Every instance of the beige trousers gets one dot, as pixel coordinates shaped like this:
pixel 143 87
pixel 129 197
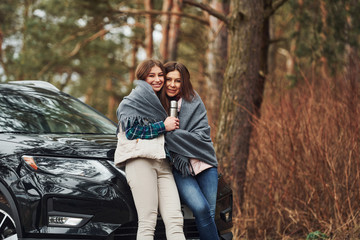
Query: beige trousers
pixel 153 187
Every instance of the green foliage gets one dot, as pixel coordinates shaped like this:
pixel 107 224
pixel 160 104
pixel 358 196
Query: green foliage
pixel 316 236
pixel 60 41
pixel 193 44
pixel 56 41
pixel 325 29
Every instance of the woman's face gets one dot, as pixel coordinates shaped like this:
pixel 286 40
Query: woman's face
pixel 155 78
pixel 173 83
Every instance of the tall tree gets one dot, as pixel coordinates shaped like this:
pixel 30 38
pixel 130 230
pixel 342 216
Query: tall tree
pixel 174 30
pixel 243 84
pixel 9 23
pixel 165 22
pixel 133 64
pixel 241 87
pixel 216 59
pixel 148 29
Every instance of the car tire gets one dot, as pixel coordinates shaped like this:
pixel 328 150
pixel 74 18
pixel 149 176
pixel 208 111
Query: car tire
pixel 7 224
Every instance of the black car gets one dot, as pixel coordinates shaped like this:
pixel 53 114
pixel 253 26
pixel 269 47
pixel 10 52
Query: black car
pixel 57 177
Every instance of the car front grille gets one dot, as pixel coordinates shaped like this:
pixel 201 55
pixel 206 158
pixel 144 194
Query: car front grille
pixel 128 231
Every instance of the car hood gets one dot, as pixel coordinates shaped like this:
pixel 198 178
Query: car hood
pixel 71 145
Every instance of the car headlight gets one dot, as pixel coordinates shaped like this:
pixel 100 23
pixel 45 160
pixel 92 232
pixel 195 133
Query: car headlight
pixel 83 168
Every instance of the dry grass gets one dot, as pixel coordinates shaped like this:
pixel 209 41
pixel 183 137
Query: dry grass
pixel 304 166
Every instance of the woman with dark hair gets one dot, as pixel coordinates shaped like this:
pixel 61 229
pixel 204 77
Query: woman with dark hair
pixel 191 150
pixel 142 125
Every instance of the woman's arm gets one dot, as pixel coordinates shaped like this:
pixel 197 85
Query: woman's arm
pixel 152 130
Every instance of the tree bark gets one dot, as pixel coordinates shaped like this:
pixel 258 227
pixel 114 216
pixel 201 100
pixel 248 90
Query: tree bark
pixel 174 30
pixel 2 63
pixel 148 29
pixel 111 99
pixel 241 89
pixel 165 22
pixel 216 60
pixel 264 57
pixel 21 75
pixel 134 50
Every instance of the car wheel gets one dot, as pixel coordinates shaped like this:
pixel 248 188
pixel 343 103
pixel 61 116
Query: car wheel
pixel 7 224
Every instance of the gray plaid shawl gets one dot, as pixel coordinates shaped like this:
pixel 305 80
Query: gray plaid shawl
pixel 192 140
pixel 140 105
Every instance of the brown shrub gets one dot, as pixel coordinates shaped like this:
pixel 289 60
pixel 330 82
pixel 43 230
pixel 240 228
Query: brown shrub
pixel 304 165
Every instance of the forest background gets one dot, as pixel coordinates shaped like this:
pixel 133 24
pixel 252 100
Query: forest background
pixel 279 78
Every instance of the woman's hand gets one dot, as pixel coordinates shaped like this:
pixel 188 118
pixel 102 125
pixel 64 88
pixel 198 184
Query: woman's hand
pixel 171 123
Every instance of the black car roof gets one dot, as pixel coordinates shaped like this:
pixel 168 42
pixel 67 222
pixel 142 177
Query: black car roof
pixel 29 84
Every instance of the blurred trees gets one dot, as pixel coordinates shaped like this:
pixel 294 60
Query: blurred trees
pixel 9 28
pixel 72 43
pixel 76 45
pixel 318 35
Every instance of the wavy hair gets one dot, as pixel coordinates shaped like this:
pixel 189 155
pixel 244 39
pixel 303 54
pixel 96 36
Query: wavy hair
pixel 187 91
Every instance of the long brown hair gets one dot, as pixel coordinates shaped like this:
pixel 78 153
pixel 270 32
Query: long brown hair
pixel 144 68
pixel 186 90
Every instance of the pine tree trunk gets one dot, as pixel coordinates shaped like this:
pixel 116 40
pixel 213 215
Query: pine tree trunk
pixel 264 57
pixel 174 31
pixel 133 61
pixel 216 58
pixel 1 54
pixel 148 29
pixel 111 100
pixel 240 89
pixel 165 22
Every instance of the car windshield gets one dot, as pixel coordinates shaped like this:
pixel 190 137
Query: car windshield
pixel 41 111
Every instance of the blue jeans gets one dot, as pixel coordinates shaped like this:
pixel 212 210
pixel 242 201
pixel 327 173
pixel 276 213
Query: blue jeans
pixel 199 194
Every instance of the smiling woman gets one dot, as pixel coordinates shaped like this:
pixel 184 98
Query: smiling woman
pixel 173 83
pixel 141 116
pixel 191 150
pixel 155 78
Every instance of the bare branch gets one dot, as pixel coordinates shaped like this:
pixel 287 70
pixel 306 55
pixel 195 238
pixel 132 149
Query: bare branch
pixel 208 9
pixel 270 11
pixel 44 69
pixel 157 12
pixel 100 33
pixel 72 37
pixel 75 51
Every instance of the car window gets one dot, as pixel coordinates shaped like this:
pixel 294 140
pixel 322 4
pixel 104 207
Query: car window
pixel 33 111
